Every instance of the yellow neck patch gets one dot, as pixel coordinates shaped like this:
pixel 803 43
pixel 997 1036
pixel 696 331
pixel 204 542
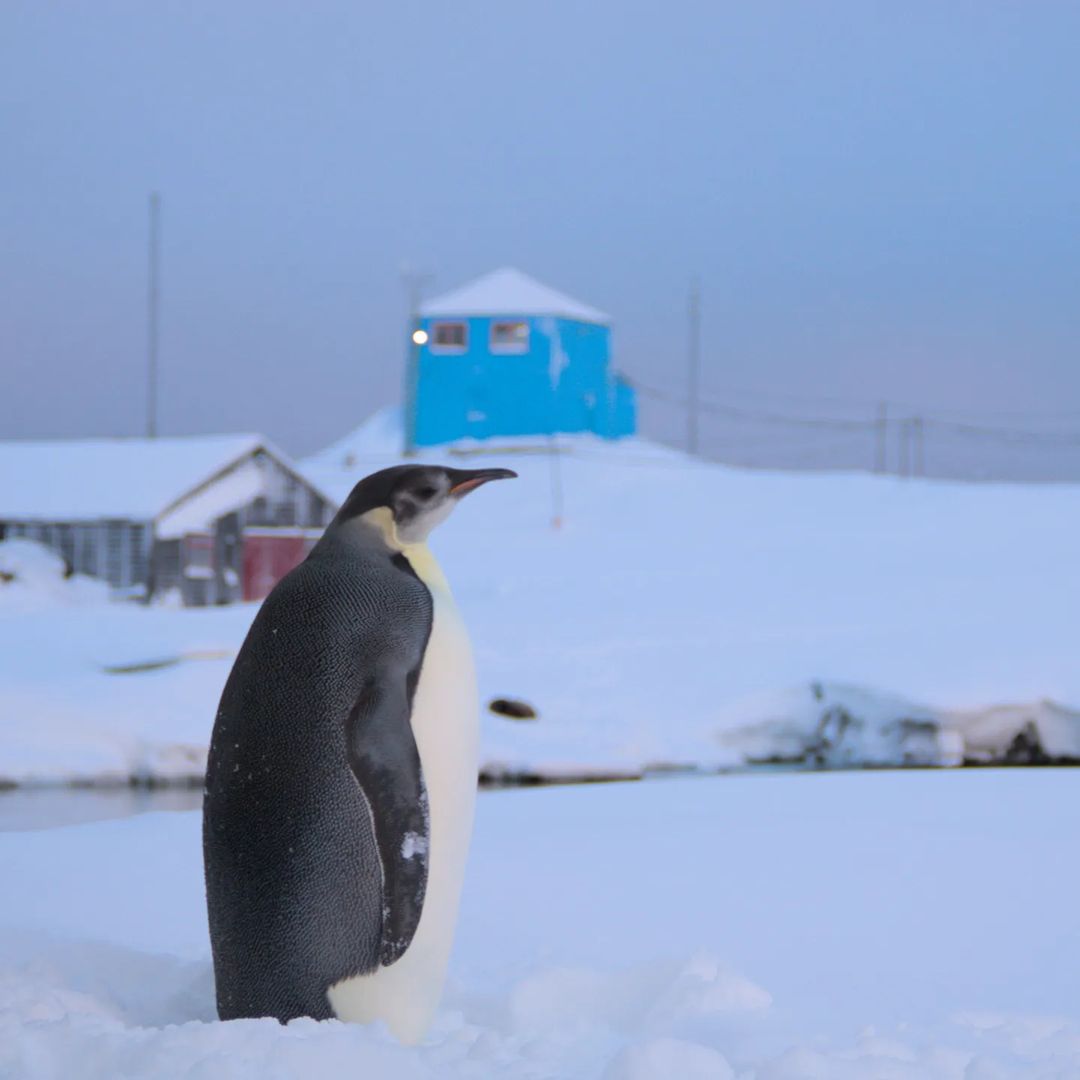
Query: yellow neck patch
pixel 427 569
pixel 419 555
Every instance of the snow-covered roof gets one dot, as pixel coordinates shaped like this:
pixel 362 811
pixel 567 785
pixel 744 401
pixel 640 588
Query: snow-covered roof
pixel 136 479
pixel 240 483
pixel 510 292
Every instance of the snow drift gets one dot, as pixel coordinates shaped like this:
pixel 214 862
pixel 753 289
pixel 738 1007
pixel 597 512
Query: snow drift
pixel 34 577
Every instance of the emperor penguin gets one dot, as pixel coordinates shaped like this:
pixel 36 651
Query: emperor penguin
pixel 342 772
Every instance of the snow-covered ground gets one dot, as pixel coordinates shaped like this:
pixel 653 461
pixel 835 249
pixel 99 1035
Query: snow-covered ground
pixel 32 578
pixel 878 926
pixel 683 614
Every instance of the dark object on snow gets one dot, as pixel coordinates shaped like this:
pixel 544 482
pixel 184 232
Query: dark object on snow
pixel 1026 747
pixel 512 709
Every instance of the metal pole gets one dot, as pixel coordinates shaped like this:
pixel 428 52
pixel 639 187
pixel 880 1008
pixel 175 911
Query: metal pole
pixel 413 280
pixel 881 452
pixel 152 317
pixel 693 365
pixel 555 463
pixel 412 371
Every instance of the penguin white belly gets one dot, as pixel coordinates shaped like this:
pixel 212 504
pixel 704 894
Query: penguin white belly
pixel 445 723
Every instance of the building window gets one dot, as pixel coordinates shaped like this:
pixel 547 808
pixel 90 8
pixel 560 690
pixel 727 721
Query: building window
pixel 138 554
pixel 65 540
pixel 509 337
pixel 198 556
pixel 259 514
pixel 116 563
pixel 86 549
pixel 450 336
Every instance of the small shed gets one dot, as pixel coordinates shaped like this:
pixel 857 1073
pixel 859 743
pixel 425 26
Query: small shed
pixel 505 356
pixel 214 518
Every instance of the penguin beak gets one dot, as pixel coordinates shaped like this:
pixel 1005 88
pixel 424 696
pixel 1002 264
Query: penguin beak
pixel 462 481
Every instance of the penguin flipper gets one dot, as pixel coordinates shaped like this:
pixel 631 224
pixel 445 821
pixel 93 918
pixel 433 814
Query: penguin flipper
pixel 384 758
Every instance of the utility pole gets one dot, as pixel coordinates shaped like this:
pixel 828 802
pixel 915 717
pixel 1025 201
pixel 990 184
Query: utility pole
pixel 919 448
pixel 413 280
pixel 693 366
pixel 152 317
pixel 904 468
pixel 555 464
pixel 881 450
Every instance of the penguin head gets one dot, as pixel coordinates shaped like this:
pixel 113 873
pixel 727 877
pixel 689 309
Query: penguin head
pixel 407 501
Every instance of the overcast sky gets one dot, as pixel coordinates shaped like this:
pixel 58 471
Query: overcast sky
pixel 881 200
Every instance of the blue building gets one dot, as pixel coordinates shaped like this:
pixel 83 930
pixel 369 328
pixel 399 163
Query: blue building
pixel 505 355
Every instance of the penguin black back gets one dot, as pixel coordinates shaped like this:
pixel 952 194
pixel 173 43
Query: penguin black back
pixel 294 895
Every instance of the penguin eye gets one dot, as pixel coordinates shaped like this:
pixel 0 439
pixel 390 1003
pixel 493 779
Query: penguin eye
pixel 427 492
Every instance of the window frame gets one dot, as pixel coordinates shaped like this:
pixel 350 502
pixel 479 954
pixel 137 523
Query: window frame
pixel 516 349
pixel 435 347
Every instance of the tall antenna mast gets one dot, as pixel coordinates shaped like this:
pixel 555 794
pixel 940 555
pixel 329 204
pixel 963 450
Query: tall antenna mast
pixel 693 366
pixel 881 449
pixel 152 316
pixel 414 281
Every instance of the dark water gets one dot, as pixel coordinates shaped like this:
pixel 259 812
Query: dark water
pixel 28 809
pixel 24 809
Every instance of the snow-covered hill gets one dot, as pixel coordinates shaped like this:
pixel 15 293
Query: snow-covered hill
pixel 681 613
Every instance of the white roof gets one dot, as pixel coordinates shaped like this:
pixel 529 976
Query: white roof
pixel 241 484
pixel 90 479
pixel 510 292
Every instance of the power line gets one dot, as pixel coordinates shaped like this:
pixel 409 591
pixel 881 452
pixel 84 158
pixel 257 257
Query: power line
pixel 1009 434
pixel 877 424
pixel 833 423
pixel 910 407
pixel 710 405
